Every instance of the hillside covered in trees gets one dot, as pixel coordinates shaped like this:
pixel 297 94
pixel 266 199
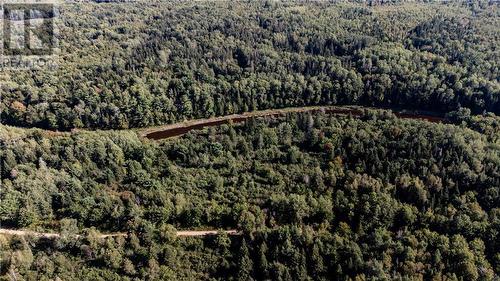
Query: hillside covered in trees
pixel 316 197
pixel 311 195
pixel 127 65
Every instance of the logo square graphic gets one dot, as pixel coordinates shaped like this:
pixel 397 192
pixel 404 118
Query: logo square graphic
pixel 29 34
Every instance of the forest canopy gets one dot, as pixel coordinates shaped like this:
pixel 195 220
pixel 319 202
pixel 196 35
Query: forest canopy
pixel 315 196
pixel 140 64
pixel 351 193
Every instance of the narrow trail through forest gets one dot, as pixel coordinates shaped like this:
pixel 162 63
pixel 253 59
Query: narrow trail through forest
pixel 181 233
pixel 181 128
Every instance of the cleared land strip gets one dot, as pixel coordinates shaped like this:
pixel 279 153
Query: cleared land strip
pixel 180 128
pixel 183 233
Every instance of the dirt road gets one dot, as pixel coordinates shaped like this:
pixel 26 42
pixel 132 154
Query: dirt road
pixel 205 232
pixel 184 233
pixel 181 128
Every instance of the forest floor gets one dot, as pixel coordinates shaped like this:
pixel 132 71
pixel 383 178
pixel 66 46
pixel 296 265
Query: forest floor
pixel 183 233
pixel 181 128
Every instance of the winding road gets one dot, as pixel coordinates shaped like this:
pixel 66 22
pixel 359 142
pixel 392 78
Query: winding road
pixel 181 128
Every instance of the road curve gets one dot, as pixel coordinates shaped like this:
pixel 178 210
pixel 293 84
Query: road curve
pixel 183 233
pixel 181 128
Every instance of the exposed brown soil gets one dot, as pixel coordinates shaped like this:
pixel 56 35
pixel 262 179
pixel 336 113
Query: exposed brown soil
pixel 181 128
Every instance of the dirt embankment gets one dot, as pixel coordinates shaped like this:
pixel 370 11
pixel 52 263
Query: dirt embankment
pixel 181 128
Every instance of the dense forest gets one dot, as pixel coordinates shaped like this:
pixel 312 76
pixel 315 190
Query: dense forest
pixel 310 195
pixel 316 197
pixel 127 65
